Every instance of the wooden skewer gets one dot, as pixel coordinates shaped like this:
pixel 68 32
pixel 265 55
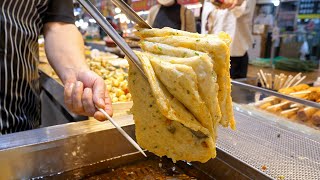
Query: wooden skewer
pixel 302 96
pixel 282 80
pixel 281 77
pixel 296 105
pixel 261 80
pixel 300 92
pixel 289 112
pixel 276 82
pixel 264 78
pixel 259 103
pixel 265 100
pixel 300 80
pixel 265 105
pixel 287 81
pixel 271 97
pixel 299 77
pixel 269 80
pixel 293 79
pixel 277 107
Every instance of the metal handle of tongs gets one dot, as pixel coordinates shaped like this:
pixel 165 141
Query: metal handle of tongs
pixel 107 27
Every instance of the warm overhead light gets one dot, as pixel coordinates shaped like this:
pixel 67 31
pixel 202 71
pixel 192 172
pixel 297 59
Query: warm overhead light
pixel 92 20
pixel 194 6
pixel 276 2
pixel 117 10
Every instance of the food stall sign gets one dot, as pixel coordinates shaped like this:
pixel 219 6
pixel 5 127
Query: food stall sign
pixel 142 5
pixel 309 9
pixel 187 1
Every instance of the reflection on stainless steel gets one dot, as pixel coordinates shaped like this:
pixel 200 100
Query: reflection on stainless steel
pixel 51 150
pixel 273 93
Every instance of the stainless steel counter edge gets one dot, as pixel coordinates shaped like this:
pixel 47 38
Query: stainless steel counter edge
pixel 47 134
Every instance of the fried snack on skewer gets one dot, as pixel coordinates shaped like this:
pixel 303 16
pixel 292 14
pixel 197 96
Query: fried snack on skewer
pixel 293 89
pixel 279 107
pixel 314 94
pixel 316 118
pixel 306 113
pixel 296 105
pixel 265 106
pixel 289 112
pixel 272 99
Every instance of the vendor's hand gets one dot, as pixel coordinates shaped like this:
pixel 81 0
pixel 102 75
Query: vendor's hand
pixel 85 90
pixel 230 4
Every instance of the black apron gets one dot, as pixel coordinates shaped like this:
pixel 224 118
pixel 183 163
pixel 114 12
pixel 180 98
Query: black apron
pixel 21 25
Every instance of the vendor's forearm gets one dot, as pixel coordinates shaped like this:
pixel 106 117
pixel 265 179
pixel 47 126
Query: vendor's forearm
pixel 65 49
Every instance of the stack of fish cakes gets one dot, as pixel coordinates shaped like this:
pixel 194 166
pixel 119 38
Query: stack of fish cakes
pixel 186 94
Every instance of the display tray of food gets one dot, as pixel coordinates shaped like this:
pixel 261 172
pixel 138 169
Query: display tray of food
pixel 292 111
pixel 110 67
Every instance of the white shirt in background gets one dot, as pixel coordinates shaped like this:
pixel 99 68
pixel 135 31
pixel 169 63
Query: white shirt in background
pixel 237 23
pixel 206 10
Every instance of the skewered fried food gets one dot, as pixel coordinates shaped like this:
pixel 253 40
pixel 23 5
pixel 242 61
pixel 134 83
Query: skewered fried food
pixel 293 89
pixel 316 118
pixel 305 113
pixel 289 113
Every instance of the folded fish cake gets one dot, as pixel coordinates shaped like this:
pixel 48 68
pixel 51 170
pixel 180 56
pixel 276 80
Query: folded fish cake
pixel 206 87
pixel 181 81
pixel 164 133
pixel 186 95
pixel 220 55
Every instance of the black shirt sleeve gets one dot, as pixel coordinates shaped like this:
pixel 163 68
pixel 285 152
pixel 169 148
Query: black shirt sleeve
pixel 59 11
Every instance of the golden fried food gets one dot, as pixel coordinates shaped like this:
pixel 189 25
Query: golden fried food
pixel 202 66
pixel 305 114
pixel 293 89
pixel 163 125
pixel 186 94
pixel 216 46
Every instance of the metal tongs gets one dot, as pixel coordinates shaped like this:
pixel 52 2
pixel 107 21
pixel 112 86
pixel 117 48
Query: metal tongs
pixel 107 27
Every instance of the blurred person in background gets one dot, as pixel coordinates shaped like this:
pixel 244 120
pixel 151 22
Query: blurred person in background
pixel 235 18
pixel 114 25
pixel 168 13
pixel 265 17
